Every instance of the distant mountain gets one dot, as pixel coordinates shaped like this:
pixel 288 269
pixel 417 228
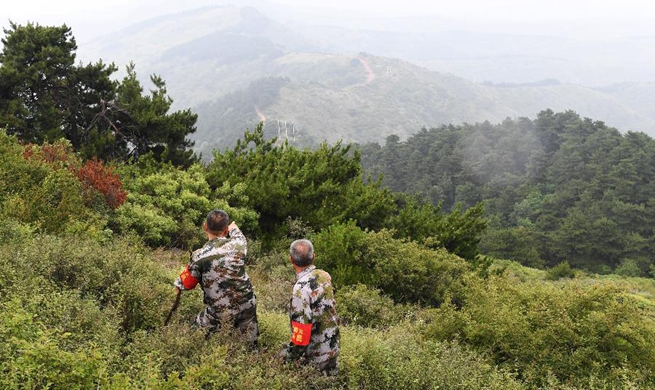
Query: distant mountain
pixel 367 98
pixel 496 57
pixel 235 67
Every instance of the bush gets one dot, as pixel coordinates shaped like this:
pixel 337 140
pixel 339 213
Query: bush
pixel 167 207
pixel 365 306
pixel 561 270
pixel 40 187
pixel 31 357
pixel 119 276
pixel 406 271
pixel 98 179
pixel 12 231
pixel 567 332
pixel 629 268
pixel 398 359
pixel 340 250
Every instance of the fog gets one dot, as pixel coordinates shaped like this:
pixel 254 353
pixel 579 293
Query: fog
pixel 577 19
pixel 593 57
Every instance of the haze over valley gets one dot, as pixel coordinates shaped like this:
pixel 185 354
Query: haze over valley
pixel 313 79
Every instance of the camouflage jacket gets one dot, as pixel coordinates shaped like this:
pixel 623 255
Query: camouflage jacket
pixel 314 328
pixel 220 270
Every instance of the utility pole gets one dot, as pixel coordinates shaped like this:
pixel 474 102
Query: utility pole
pixel 293 128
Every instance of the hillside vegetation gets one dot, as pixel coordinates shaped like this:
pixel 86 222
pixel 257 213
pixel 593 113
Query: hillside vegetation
pixel 559 188
pixel 85 290
pixel 327 97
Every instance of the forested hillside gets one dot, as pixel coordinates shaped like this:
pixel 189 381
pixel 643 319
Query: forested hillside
pixel 558 188
pixel 236 67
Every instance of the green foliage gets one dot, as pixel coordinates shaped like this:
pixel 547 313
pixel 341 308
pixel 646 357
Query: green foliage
pixel 396 358
pixel 146 125
pixel 123 279
pixel 340 249
pixel 557 188
pixel 167 207
pixel 319 187
pixel 561 270
pixel 458 231
pixel 517 243
pixel 628 267
pixel 31 356
pixel 83 308
pixel 364 306
pixel 76 314
pixel 45 96
pixel 12 231
pixel 41 187
pixel 405 270
pixel 570 333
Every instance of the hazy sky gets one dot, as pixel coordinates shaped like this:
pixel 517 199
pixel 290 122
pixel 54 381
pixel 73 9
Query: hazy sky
pixel 557 17
pixel 480 9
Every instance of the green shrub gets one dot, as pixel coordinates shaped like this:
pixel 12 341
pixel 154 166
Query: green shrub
pixel 340 251
pixel 406 271
pixel 396 358
pixel 365 306
pixel 39 186
pixel 65 370
pixel 119 276
pixel 570 332
pixel 273 280
pixel 629 268
pixel 561 270
pixel 12 231
pixel 167 207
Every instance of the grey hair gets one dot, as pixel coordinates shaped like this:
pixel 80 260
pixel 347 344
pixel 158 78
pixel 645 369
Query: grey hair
pixel 302 252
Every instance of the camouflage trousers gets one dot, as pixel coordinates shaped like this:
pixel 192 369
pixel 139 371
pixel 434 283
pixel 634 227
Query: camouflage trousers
pixel 244 321
pixel 328 365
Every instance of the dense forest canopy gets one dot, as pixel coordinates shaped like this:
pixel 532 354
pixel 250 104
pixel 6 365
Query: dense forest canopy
pixel 556 188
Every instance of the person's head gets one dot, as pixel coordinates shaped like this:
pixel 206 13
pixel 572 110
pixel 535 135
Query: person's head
pixel 217 222
pixel 302 253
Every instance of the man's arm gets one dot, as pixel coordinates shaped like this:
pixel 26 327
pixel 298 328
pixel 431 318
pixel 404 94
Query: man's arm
pixel 301 324
pixel 237 243
pixel 235 232
pixel 189 277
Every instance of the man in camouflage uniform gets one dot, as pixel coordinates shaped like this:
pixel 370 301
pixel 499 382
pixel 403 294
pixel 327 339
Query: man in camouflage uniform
pixel 220 270
pixel 314 328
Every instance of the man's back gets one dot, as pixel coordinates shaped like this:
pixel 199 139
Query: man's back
pixel 312 302
pixel 220 270
pixel 220 264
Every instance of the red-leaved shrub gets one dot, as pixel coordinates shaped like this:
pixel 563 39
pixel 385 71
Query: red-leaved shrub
pixel 94 175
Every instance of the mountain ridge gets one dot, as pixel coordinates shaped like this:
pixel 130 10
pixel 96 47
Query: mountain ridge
pixel 231 52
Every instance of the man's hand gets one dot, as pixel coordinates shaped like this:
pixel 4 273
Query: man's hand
pixel 232 225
